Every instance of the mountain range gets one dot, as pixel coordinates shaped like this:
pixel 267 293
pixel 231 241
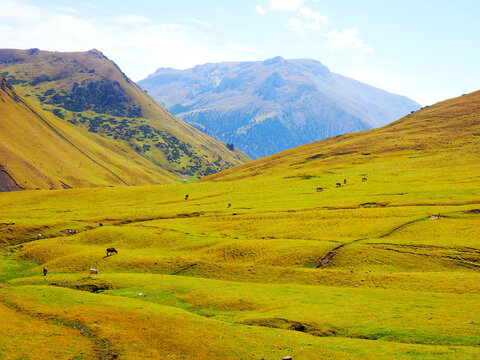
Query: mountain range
pixel 89 91
pixel 263 107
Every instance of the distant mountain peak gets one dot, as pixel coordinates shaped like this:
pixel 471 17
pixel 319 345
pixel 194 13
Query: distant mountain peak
pixel 274 60
pixel 96 52
pixel 297 100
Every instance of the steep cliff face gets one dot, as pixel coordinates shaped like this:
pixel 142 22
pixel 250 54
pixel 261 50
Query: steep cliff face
pixel 266 107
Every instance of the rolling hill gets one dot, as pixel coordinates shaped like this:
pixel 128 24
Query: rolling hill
pixel 40 151
pixel 91 92
pixel 258 263
pixel 263 107
pixel 447 133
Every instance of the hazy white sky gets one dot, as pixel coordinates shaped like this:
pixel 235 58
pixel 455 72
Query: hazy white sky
pixel 426 50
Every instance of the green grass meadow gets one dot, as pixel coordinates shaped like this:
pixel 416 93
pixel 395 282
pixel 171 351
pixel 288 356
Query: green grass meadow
pixel 386 268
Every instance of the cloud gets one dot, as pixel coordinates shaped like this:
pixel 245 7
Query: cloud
pixel 280 5
pixel 285 5
pixel 309 20
pixel 67 9
pixel 131 19
pixel 139 50
pixel 305 20
pixel 296 25
pixel 310 15
pixel 199 22
pixel 347 39
pixel 260 10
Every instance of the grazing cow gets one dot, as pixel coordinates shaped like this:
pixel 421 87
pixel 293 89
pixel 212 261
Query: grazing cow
pixel 344 181
pixel 319 189
pixel 100 224
pixel 45 270
pixel 111 250
pixel 93 272
pixel 229 205
pixel 186 197
pixel 339 185
pixel 364 179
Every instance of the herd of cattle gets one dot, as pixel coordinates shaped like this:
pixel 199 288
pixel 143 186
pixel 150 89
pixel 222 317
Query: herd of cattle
pixel 114 251
pixel 319 189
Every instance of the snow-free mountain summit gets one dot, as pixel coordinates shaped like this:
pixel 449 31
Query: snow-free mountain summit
pixel 263 107
pixel 90 91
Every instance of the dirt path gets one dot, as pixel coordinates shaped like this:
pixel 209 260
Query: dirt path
pixel 400 227
pixel 103 348
pixel 181 271
pixel 331 254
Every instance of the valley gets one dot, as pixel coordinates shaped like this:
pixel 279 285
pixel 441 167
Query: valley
pixel 257 263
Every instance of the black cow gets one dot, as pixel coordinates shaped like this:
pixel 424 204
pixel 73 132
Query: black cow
pixel 319 189
pixel 111 250
pixel 186 197
pixel 339 185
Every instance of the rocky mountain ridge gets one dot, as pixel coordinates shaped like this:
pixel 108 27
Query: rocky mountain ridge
pixel 263 107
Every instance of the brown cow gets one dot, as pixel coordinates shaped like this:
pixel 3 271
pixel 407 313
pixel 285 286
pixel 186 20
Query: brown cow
pixel 319 189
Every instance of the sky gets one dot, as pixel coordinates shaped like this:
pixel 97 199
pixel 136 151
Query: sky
pixel 424 49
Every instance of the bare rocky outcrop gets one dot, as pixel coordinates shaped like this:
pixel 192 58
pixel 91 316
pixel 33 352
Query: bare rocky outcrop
pixel 7 183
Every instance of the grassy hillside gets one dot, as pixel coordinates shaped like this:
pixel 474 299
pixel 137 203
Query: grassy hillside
pixel 257 263
pixel 448 131
pixel 39 151
pixel 90 91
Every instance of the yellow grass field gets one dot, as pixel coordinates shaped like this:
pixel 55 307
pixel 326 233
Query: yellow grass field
pixel 386 268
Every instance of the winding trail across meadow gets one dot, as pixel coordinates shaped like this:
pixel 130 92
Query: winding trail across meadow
pixel 324 261
pixel 102 347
